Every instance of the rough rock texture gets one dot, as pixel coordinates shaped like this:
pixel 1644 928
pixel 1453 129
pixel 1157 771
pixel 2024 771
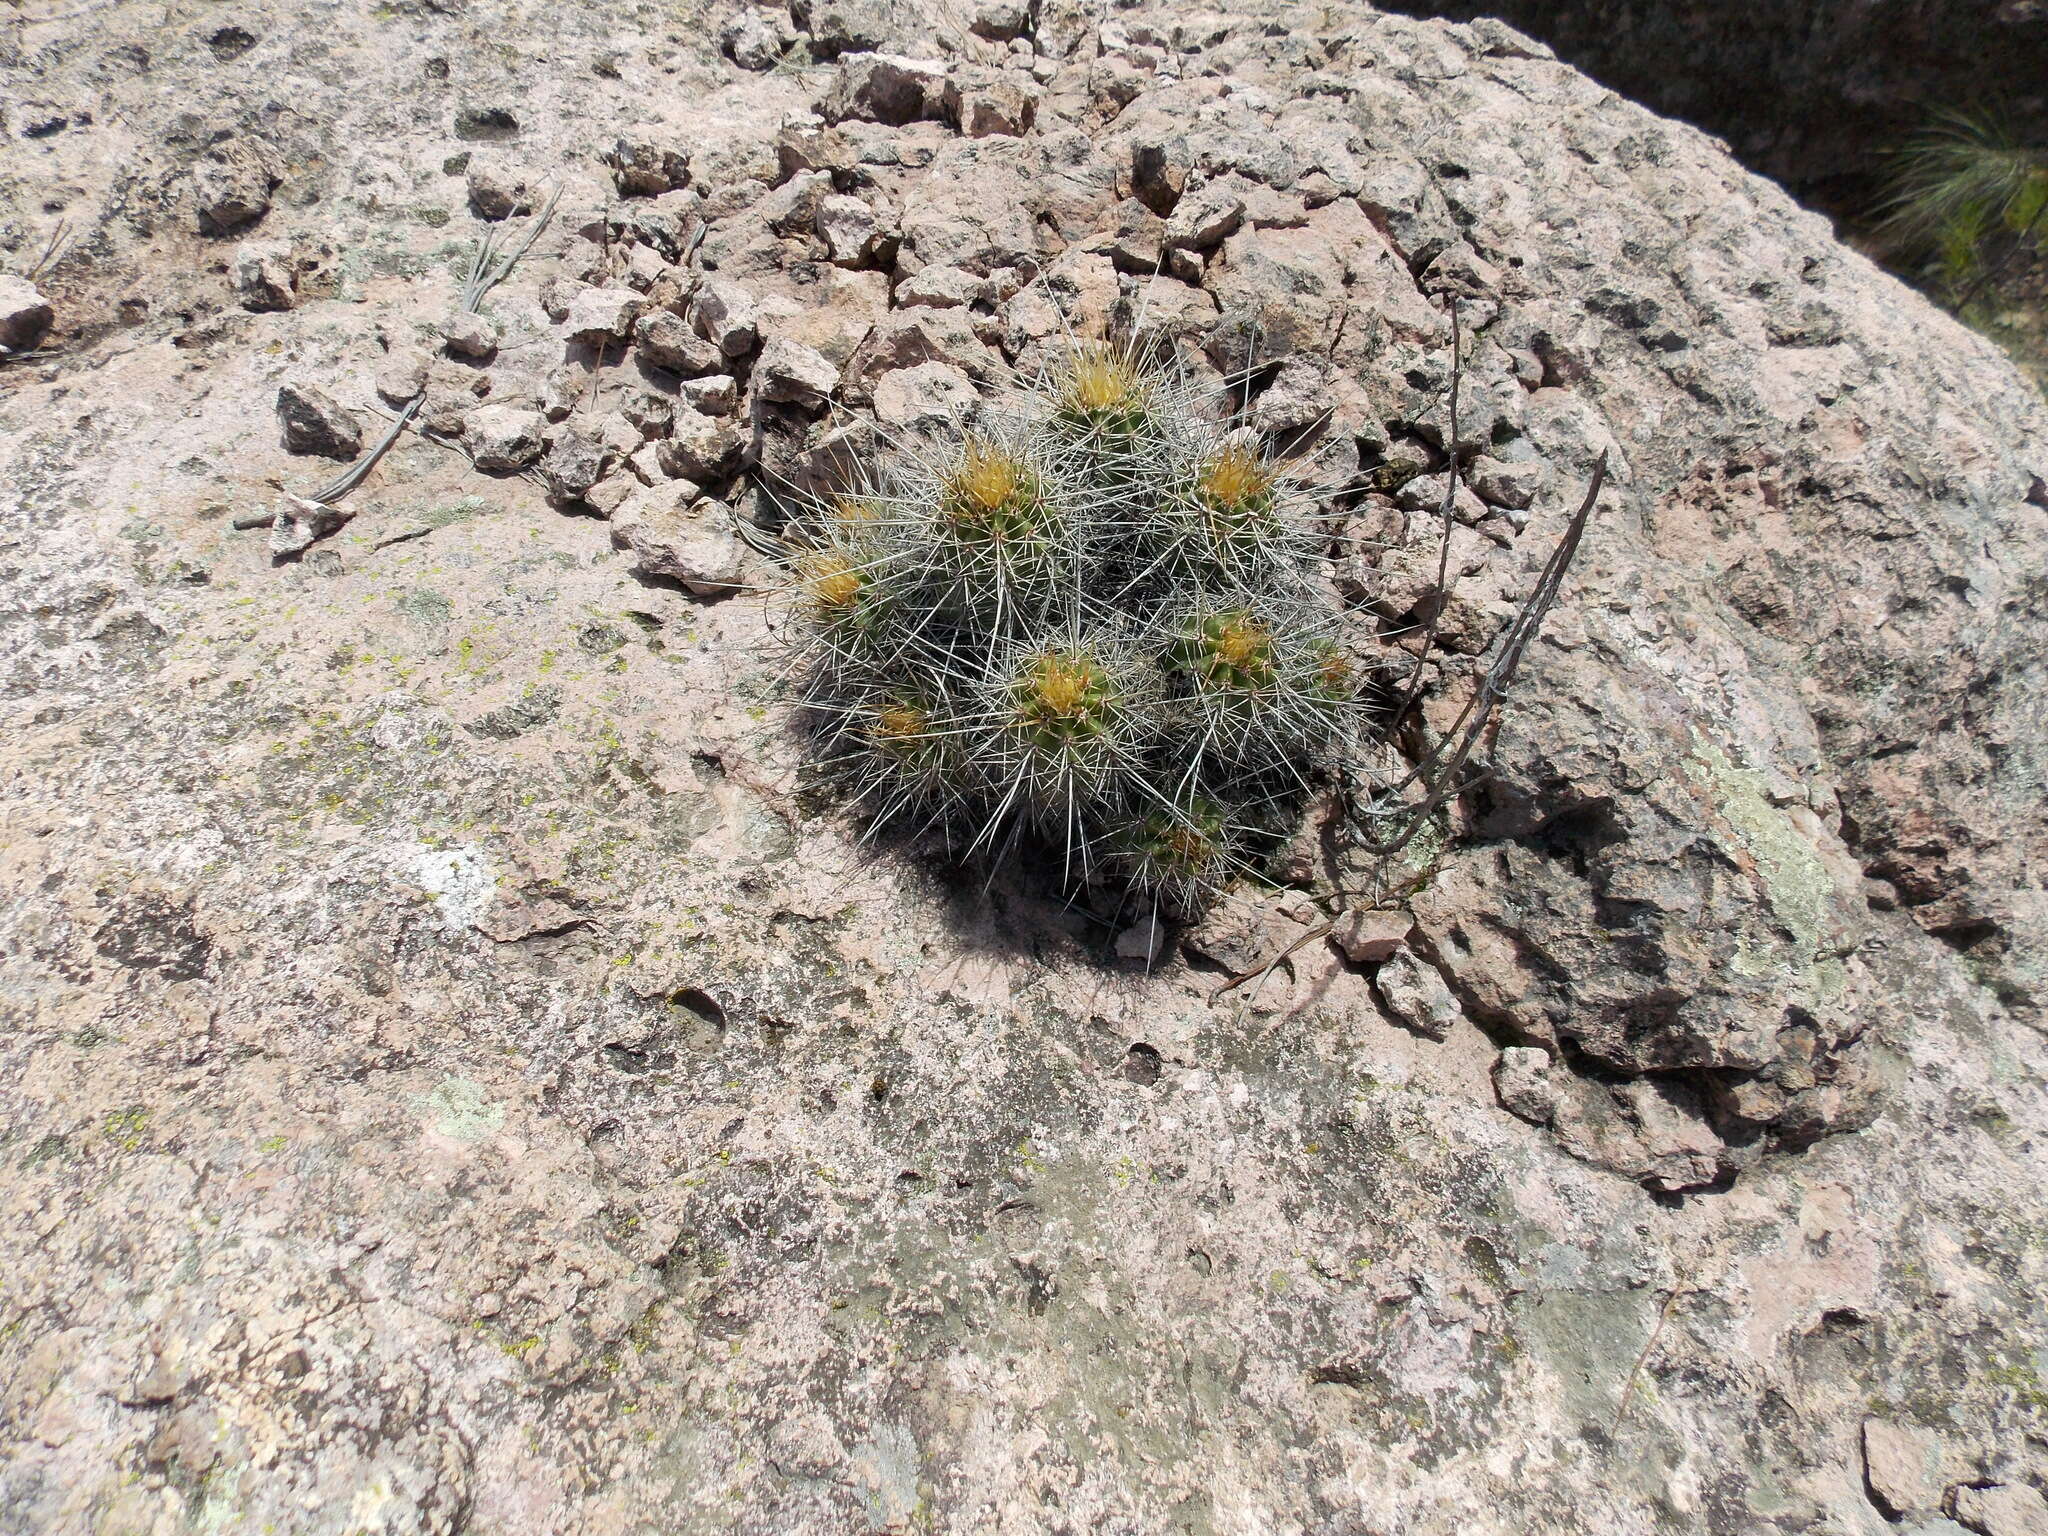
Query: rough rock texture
pixel 25 315
pixel 679 538
pixel 504 438
pixel 231 184
pixel 2003 1510
pixel 265 278
pixel 456 1078
pixel 311 421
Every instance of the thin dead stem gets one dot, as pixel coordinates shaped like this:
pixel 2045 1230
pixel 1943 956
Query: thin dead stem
pixel 1439 770
pixel 1628 1388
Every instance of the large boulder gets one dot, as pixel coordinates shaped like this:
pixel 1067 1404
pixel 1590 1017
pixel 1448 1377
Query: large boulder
pixel 464 1072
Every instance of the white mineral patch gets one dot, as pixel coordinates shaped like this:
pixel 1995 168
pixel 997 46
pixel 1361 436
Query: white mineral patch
pixel 457 878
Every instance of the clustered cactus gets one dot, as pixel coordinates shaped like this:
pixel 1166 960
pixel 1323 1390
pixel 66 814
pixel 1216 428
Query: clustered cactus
pixel 1090 624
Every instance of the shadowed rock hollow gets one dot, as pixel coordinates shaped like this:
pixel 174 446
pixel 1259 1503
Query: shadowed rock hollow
pixel 454 1079
pixel 1812 94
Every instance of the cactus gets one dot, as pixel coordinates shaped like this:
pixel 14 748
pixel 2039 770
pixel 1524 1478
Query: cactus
pixel 1092 626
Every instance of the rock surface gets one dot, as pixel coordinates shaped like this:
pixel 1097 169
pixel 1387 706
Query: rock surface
pixel 458 1077
pixel 674 536
pixel 2003 1509
pixel 265 275
pixel 504 438
pixel 232 183
pixel 25 315
pixel 310 420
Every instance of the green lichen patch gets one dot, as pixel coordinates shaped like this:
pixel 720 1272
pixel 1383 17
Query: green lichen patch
pixel 459 1109
pixel 1796 883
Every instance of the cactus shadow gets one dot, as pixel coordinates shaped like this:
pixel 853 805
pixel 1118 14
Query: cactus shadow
pixel 1013 906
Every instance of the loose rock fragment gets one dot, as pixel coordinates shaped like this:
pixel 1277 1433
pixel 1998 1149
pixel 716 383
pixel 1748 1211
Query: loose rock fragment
pixel 1298 397
pixel 1416 995
pixel 792 208
pixel 609 494
pixel 231 184
pixel 725 313
pixel 497 190
pixel 999 20
pixel 1368 938
pixel 701 448
pixel 646 465
pixel 1048 310
pixel 666 341
pixel 927 395
pixel 1243 934
pixel 839 27
pixel 1502 484
pixel 715 394
pixel 849 229
pixel 1425 494
pixel 886 88
pixel 266 277
pixel 686 542
pixel 1404 458
pixel 563 390
pixel 617 431
pixel 788 372
pixel 403 375
pixel 1135 239
pixel 470 335
pixel 313 422
pixel 807 144
pixel 601 315
pixel 1521 1081
pixel 757 38
pixel 647 168
pixel 1204 218
pixel 650 414
pixel 25 315
pixel 938 288
pixel 504 438
pixel 986 102
pixel 557 293
pixel 576 459
pixel 920 336
pixel 645 267
pixel 300 523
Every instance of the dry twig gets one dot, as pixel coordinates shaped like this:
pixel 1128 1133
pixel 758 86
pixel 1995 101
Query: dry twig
pixel 1439 770
pixel 1628 1387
